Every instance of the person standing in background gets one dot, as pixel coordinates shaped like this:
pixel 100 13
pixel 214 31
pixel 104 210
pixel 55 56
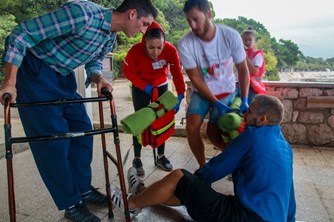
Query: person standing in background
pixel 146 66
pixel 256 64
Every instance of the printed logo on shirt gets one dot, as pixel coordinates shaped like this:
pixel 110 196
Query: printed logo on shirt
pixel 216 70
pixel 158 64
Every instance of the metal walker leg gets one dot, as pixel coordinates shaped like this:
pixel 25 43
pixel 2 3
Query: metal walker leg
pixel 9 140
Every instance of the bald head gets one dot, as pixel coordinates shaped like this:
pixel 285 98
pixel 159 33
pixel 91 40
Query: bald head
pixel 265 110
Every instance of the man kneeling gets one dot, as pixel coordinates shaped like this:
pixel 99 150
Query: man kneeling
pixel 260 161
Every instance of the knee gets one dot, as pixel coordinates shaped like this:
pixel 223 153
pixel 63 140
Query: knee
pixel 192 128
pixel 177 174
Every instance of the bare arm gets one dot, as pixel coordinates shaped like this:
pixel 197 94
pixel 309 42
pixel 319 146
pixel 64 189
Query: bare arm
pixel 196 78
pixel 243 78
pixel 9 83
pixel 252 68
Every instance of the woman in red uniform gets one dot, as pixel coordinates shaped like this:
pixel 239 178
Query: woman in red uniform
pixel 147 65
pixel 256 64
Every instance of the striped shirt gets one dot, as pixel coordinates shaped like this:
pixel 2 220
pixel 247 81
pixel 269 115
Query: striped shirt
pixel 77 33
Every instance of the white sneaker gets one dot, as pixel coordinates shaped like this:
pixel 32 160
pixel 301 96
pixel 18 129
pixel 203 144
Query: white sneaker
pixel 133 181
pixel 117 199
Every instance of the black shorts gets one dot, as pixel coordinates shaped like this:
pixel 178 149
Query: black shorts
pixel 205 204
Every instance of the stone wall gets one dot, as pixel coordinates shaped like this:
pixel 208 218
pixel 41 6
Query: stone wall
pixel 309 111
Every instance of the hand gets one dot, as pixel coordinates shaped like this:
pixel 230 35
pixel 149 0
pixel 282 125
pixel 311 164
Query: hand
pixel 177 107
pixel 10 89
pixel 222 108
pixel 102 83
pixel 244 105
pixel 148 89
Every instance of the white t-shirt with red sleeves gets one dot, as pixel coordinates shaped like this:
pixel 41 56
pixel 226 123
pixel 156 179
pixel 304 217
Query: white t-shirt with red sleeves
pixel 215 58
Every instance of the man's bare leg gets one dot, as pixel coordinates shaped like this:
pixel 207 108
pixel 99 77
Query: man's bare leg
pixel 193 127
pixel 214 135
pixel 160 192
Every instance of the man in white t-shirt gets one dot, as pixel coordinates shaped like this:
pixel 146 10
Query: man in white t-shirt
pixel 208 53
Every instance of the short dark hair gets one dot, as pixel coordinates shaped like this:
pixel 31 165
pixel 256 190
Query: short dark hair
pixel 202 5
pixel 154 33
pixel 271 106
pixel 249 31
pixel 144 7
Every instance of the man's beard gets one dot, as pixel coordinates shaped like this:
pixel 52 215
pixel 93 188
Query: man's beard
pixel 252 122
pixel 204 31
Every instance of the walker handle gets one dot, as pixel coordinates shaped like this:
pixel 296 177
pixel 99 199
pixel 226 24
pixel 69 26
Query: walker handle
pixel 6 97
pixel 105 92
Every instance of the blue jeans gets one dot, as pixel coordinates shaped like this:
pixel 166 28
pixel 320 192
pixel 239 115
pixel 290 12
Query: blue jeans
pixel 64 165
pixel 201 106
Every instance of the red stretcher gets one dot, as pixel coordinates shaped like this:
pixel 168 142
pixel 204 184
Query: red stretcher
pixel 9 141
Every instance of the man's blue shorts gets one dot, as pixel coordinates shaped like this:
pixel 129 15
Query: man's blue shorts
pixel 201 106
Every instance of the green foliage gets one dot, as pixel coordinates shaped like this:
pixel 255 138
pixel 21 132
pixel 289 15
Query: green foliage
pixel 272 75
pixel 287 52
pixel 7 23
pixel 278 55
pixel 314 64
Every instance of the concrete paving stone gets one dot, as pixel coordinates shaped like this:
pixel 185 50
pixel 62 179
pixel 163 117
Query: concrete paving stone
pixel 305 189
pixel 325 192
pixel 329 207
pixel 19 218
pixel 224 186
pixel 311 209
pixel 322 176
pixel 162 214
pixel 48 212
pixel 301 173
pixel 327 154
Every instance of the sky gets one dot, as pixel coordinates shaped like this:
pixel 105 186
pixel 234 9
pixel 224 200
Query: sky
pixel 309 24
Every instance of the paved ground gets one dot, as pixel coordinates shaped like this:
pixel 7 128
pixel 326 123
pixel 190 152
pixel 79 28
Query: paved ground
pixel 313 176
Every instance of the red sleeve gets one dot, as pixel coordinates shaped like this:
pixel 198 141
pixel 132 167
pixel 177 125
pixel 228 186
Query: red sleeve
pixel 176 71
pixel 129 67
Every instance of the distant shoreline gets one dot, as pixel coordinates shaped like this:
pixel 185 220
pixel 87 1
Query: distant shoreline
pixel 300 76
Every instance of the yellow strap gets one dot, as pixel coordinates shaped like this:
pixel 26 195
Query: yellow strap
pixel 157 132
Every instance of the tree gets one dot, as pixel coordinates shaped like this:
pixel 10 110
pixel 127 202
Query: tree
pixel 287 52
pixel 7 23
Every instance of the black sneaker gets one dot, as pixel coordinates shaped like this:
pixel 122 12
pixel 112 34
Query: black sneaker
pixel 80 213
pixel 95 197
pixel 136 163
pixel 164 163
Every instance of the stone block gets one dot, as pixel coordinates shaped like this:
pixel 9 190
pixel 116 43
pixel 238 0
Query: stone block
pixel 290 93
pixel 294 133
pixel 277 94
pixel 329 92
pixel 311 117
pixel 300 103
pixel 288 109
pixel 295 116
pixel 305 92
pixel 320 102
pixel 331 121
pixel 320 135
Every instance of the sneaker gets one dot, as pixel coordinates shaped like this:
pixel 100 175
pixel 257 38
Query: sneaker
pixel 164 163
pixel 117 199
pixel 80 213
pixel 95 197
pixel 133 181
pixel 136 163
